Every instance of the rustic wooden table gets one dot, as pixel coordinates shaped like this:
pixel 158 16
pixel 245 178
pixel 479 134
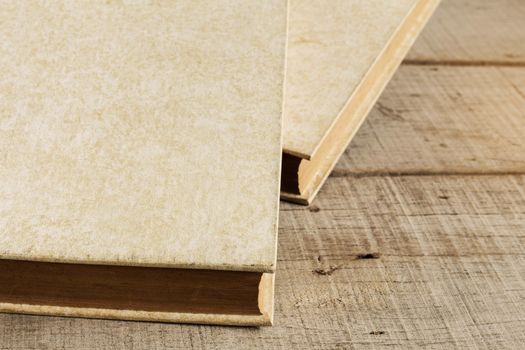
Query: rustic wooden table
pixel 417 240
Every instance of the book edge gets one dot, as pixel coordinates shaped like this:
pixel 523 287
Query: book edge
pixel 132 315
pixel 312 153
pixel 308 196
pixel 262 268
pixel 265 302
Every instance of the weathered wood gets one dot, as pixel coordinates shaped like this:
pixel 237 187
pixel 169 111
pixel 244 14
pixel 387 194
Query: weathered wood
pixel 410 216
pixel 447 120
pixel 379 262
pixel 474 32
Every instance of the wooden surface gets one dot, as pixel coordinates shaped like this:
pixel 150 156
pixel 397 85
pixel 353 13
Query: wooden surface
pixel 418 238
pixel 488 32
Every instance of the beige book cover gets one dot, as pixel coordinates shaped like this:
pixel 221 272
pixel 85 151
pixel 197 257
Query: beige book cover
pixel 341 55
pixel 140 146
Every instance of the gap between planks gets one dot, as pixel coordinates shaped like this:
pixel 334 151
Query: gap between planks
pixel 462 63
pixel 354 174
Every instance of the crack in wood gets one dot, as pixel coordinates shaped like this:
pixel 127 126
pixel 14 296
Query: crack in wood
pixel 368 256
pixel 327 271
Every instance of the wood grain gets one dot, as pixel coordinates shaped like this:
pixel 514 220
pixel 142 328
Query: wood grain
pixel 446 120
pixel 474 32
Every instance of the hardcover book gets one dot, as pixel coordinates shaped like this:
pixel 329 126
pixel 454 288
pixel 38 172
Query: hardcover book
pixel 140 146
pixel 341 54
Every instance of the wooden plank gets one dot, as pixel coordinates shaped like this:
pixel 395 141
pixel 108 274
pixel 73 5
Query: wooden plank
pixel 411 216
pixel 438 119
pixel 474 32
pixel 379 262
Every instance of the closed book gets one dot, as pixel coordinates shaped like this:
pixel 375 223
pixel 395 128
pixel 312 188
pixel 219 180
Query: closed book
pixel 140 146
pixel 341 54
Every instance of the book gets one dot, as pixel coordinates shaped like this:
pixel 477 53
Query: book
pixel 341 54
pixel 140 144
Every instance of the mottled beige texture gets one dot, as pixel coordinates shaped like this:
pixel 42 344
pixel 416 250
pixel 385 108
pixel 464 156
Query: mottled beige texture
pixel 332 45
pixel 141 132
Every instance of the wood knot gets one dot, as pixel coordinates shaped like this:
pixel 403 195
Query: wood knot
pixel 377 333
pixel 327 271
pixel 314 209
pixel 368 256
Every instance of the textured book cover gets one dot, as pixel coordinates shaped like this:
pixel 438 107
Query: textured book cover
pixel 341 54
pixel 140 134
